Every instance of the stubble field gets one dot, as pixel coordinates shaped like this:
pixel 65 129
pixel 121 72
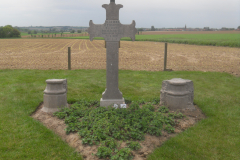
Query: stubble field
pixel 48 54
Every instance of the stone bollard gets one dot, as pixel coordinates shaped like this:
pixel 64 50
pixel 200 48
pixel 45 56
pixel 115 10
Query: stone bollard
pixel 177 94
pixel 55 95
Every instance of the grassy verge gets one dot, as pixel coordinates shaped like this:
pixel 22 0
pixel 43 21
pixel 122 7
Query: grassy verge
pixel 230 40
pixel 217 94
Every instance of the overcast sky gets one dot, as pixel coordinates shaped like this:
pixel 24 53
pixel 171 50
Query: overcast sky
pixel 159 13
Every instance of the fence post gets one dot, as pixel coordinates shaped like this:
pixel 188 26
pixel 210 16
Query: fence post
pixel 69 58
pixel 165 58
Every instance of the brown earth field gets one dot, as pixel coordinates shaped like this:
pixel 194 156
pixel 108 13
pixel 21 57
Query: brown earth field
pixel 45 54
pixel 147 146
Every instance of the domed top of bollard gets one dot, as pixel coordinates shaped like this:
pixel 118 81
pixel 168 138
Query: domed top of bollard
pixel 178 81
pixel 55 80
pixel 56 86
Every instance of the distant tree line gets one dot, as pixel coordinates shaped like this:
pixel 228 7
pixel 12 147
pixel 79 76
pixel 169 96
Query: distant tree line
pixel 152 28
pixel 73 31
pixel 8 32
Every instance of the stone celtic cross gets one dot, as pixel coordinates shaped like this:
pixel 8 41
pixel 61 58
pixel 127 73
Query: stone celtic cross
pixel 112 31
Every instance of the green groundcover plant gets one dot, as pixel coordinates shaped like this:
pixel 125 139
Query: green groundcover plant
pixel 103 126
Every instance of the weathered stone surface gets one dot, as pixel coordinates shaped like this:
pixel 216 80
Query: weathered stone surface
pixel 177 94
pixel 112 10
pixel 112 31
pixel 110 102
pixel 112 91
pixel 55 95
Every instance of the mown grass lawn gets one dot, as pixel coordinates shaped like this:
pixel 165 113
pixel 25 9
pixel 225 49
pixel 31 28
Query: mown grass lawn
pixel 217 94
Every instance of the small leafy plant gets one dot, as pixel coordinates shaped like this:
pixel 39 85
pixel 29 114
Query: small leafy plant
pixel 110 142
pixel 141 101
pixel 169 129
pixel 156 101
pixel 149 106
pixel 123 154
pixel 176 115
pixel 104 152
pixel 128 100
pixel 134 145
pixel 163 109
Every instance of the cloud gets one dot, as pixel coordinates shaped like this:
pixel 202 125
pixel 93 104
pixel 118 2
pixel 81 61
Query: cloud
pixel 164 13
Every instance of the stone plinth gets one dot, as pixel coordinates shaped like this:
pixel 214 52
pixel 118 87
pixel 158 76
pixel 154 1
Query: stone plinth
pixel 177 94
pixel 55 95
pixel 110 102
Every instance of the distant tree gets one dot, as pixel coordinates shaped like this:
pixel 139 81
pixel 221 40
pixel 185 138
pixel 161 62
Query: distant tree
pixel 152 28
pixel 54 30
pixel 8 31
pixel 73 31
pixel 140 29
pixel 16 27
pixel 63 29
pixel 1 32
pixel 29 32
pixel 238 27
pixel 16 33
pixel 35 32
pixel 25 30
pixel 79 31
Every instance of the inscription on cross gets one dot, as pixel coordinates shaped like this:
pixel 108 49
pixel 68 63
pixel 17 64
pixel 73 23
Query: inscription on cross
pixel 112 31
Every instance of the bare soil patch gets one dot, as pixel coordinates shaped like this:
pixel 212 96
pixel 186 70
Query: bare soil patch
pixel 147 146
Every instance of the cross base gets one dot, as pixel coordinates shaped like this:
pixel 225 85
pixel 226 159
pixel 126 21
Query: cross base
pixel 109 102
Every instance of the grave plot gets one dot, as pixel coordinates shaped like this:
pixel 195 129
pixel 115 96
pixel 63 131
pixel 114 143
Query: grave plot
pixel 142 127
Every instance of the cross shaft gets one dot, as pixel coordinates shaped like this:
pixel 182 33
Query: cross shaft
pixel 112 31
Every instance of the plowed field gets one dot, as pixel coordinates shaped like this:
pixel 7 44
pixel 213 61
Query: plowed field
pixel 52 54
